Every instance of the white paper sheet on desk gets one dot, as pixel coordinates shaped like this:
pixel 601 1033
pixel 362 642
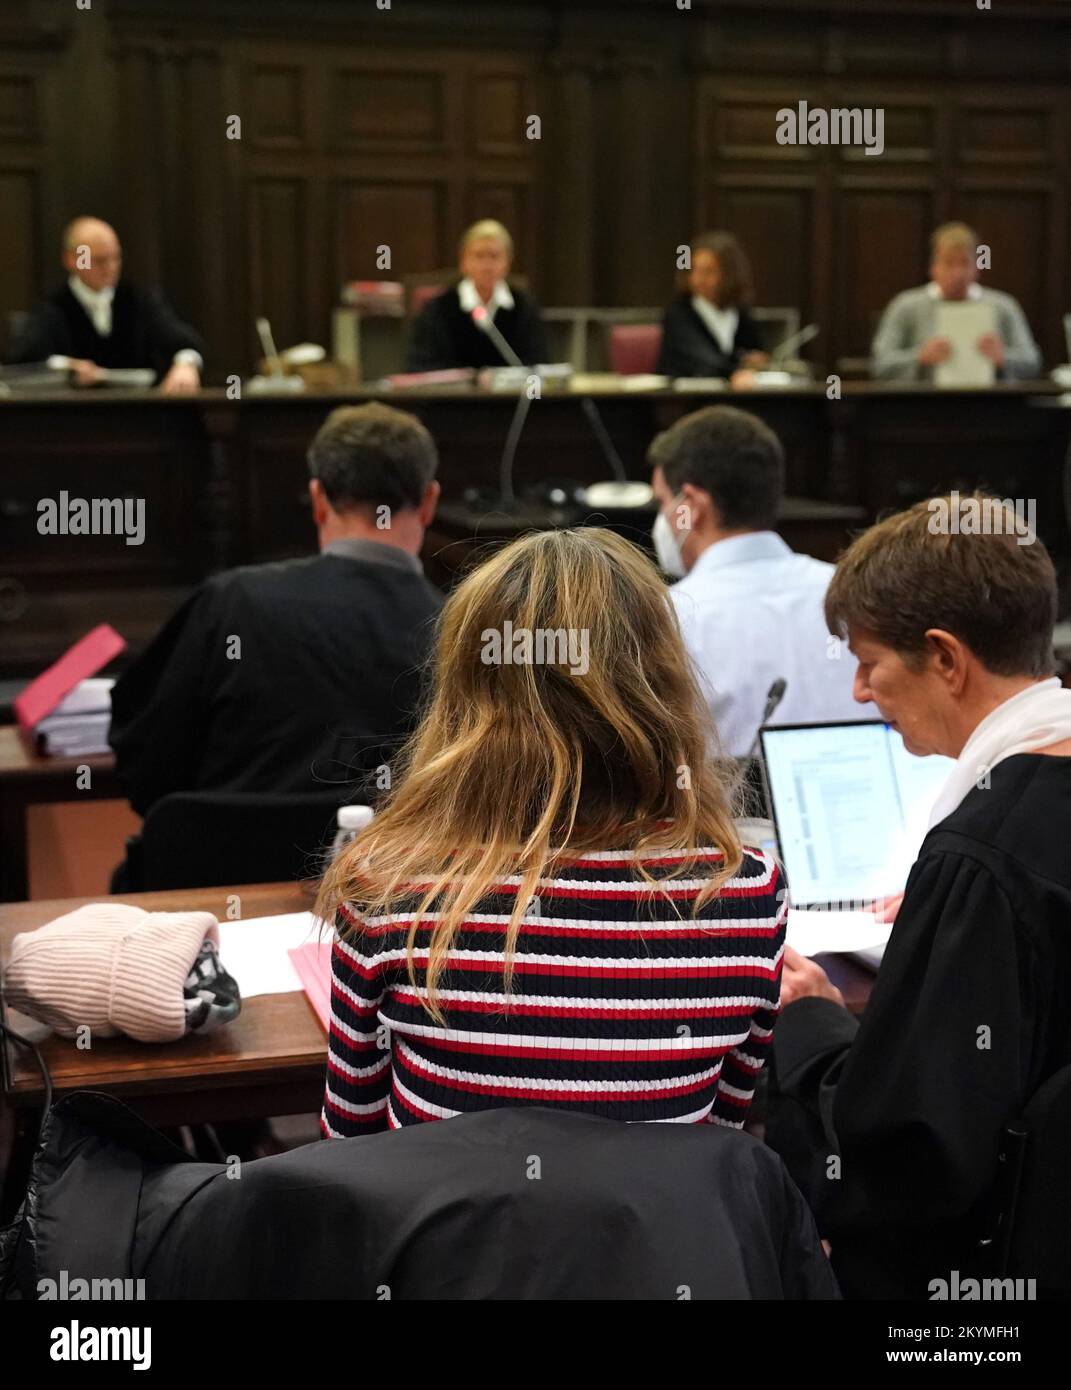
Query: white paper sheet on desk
pixel 813 932
pixel 255 950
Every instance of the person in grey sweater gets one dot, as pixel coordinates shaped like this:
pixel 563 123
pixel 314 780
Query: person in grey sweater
pixel 907 347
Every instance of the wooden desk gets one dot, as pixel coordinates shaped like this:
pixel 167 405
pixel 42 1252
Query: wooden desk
pixel 27 779
pixel 269 1061
pixel 224 481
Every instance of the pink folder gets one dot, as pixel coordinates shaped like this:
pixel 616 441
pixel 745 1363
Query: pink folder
pixel 88 656
pixel 313 965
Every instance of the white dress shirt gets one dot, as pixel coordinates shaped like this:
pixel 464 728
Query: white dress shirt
pixel 468 297
pixel 750 610
pixel 98 306
pixel 721 323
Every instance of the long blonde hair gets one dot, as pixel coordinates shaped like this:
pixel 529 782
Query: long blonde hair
pixel 520 763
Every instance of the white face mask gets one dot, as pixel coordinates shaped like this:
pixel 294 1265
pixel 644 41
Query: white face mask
pixel 668 544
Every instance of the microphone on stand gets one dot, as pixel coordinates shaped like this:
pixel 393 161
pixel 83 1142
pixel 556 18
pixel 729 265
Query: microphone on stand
pixel 791 345
pixel 485 322
pixel 774 696
pixel 754 774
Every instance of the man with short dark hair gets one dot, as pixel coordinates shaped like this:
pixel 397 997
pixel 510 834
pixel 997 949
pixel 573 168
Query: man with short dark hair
pixel 750 608
pixel 289 677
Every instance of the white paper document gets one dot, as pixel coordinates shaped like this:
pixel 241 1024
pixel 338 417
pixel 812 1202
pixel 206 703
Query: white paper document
pixel 963 322
pixel 254 951
pixel 811 932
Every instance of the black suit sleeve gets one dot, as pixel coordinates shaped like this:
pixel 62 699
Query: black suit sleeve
pixel 43 332
pixel 748 337
pixel 430 346
pixel 942 1061
pixel 165 332
pixel 533 345
pixel 160 705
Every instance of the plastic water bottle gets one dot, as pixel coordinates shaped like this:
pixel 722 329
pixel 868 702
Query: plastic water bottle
pixel 351 821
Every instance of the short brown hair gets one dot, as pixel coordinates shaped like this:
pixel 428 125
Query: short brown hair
pixel 907 574
pixel 732 455
pixel 735 290
pixel 372 456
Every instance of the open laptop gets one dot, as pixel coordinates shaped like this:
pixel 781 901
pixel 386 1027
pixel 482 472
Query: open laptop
pixel 850 808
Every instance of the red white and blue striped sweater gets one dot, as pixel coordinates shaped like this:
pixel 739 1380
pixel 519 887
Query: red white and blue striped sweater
pixel 619 1007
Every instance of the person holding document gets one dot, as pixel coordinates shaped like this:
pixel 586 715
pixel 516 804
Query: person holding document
pixel 952 629
pixel 914 338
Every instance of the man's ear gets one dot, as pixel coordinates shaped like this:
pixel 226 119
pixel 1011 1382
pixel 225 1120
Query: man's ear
pixel 318 498
pixel 428 503
pixel 700 506
pixel 949 658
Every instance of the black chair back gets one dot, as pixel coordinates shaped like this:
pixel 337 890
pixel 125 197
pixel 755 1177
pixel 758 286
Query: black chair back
pixel 209 839
pixel 1037 1245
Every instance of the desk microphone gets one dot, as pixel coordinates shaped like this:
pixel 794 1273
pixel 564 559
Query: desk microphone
pixel 792 344
pixel 774 696
pixel 485 322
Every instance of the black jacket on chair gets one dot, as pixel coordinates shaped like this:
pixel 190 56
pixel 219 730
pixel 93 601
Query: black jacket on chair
pixel 689 348
pixel 503 1204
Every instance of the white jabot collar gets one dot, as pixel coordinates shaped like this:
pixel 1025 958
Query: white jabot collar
pixel 96 303
pixel 469 299
pixel 721 323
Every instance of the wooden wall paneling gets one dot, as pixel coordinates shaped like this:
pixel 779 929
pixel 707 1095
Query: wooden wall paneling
pixel 140 226
pixel 882 245
pixel 22 160
pixel 567 176
pixel 279 252
pixel 406 214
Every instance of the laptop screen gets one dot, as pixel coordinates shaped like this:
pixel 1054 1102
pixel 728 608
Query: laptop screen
pixel 851 807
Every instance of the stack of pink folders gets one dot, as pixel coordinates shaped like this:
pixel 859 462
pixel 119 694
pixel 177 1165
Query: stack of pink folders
pixel 313 965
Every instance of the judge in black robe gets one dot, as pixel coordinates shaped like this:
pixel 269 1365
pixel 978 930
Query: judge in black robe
pixel 914 1098
pixel 893 1126
pixel 99 320
pixel 710 331
pixel 444 333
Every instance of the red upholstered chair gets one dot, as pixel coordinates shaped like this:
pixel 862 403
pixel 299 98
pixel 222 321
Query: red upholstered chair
pixel 421 295
pixel 634 347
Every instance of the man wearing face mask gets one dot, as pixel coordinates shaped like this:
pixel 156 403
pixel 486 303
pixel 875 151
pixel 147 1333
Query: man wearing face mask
pixel 749 607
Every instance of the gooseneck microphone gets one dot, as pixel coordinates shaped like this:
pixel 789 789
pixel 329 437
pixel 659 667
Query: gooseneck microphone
pixel 485 322
pixel 774 696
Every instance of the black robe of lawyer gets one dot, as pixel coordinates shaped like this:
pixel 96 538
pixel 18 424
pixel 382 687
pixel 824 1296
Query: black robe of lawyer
pixel 690 349
pixel 145 331
pixel 970 1014
pixel 444 335
pixel 277 678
